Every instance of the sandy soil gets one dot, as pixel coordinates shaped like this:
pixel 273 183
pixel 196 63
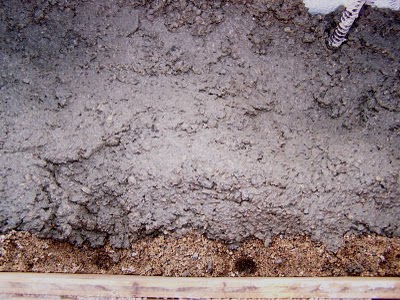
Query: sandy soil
pixel 126 119
pixel 194 255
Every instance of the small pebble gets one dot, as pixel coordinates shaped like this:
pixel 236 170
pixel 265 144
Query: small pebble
pixel 210 266
pixel 233 246
pixel 115 257
pixel 267 242
pixel 278 261
pixel 109 119
pixel 308 38
pixel 86 190
pixel 128 270
pixel 245 195
pixel 131 179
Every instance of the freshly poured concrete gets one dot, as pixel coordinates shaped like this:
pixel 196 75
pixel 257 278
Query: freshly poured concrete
pixel 121 120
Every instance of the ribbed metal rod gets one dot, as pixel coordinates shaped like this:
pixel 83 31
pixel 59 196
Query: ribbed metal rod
pixel 348 17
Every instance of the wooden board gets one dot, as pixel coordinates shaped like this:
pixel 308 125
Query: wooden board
pixel 72 286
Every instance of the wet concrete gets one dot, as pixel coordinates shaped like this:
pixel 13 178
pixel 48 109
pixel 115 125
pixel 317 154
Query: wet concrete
pixel 125 119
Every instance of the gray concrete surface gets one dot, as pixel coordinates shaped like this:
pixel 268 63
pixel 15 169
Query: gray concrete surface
pixel 121 119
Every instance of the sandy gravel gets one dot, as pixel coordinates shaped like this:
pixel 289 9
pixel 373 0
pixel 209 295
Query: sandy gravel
pixel 194 255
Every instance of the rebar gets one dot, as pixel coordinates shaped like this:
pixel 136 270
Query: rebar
pixel 348 17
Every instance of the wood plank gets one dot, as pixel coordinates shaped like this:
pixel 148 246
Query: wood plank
pixel 77 285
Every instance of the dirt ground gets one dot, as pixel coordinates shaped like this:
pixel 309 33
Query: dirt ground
pixel 124 120
pixel 194 255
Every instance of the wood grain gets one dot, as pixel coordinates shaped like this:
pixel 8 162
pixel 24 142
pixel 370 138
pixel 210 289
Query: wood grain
pixel 24 285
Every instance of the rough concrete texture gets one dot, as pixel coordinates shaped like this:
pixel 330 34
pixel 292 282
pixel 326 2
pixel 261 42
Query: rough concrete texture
pixel 121 119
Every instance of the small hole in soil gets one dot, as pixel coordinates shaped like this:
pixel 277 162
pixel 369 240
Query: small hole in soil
pixel 245 265
pixel 102 260
pixel 30 265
